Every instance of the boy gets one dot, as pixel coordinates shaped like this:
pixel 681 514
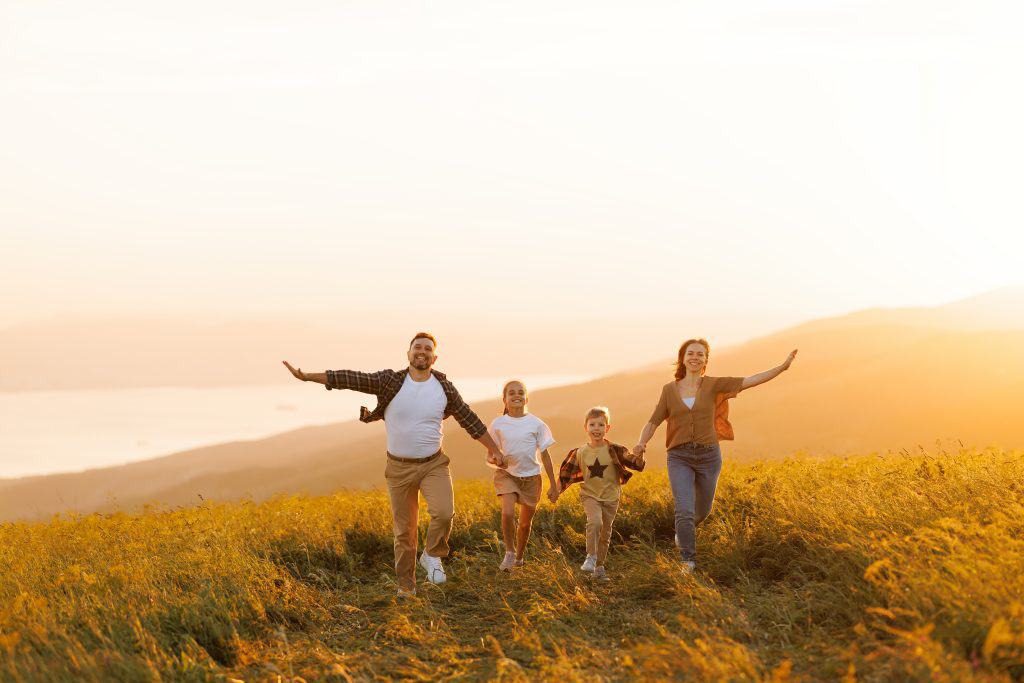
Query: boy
pixel 600 468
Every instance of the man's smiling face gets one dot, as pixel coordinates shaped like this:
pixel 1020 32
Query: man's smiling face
pixel 421 353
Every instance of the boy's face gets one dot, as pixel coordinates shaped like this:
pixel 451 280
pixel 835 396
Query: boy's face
pixel 597 427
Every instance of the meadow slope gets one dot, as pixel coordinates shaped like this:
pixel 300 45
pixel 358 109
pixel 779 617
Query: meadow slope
pixel 876 568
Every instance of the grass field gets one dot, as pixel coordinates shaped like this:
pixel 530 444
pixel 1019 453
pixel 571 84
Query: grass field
pixel 896 567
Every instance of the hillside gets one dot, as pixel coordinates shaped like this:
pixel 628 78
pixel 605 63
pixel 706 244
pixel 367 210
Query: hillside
pixel 864 382
pixel 894 568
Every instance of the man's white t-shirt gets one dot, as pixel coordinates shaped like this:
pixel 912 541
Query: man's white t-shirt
pixel 413 418
pixel 521 439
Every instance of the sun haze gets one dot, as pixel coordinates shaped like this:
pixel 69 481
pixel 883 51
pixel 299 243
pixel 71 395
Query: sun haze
pixel 730 168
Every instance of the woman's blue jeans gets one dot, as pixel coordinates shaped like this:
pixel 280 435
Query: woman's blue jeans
pixel 693 471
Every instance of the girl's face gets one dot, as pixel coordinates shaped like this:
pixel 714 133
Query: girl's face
pixel 695 357
pixel 515 396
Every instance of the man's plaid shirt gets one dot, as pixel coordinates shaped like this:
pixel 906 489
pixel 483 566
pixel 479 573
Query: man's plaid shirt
pixel 571 473
pixel 385 385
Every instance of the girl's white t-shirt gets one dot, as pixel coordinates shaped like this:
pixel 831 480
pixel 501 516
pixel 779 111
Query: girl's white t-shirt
pixel 521 439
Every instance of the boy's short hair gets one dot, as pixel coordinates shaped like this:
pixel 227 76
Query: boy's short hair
pixel 423 335
pixel 599 411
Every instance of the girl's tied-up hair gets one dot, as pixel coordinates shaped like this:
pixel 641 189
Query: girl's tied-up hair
pixel 504 392
pixel 681 361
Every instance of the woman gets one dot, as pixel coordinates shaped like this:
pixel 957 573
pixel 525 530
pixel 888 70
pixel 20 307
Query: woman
pixel 696 410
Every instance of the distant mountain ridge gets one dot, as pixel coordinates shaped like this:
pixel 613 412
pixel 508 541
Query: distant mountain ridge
pixel 869 381
pixel 179 351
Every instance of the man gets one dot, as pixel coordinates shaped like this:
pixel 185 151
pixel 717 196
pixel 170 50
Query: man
pixel 413 403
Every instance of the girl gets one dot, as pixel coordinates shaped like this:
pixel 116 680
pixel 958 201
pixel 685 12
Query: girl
pixel 517 481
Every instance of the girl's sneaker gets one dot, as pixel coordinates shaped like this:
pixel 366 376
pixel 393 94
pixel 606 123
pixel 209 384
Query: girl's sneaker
pixel 509 562
pixel 589 564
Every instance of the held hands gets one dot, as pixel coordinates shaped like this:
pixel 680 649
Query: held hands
pixel 638 453
pixel 295 371
pixel 553 491
pixel 497 459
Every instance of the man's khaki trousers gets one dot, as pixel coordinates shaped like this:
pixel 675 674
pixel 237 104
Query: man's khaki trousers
pixel 406 480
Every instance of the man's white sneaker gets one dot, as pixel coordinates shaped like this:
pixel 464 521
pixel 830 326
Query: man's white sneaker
pixel 689 566
pixel 435 571
pixel 589 564
pixel 509 562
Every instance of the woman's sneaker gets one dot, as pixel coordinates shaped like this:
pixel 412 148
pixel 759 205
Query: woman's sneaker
pixel 689 567
pixel 435 570
pixel 509 562
pixel 406 592
pixel 589 564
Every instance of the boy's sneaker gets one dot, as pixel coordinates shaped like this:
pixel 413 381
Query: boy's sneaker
pixel 589 564
pixel 435 571
pixel 689 566
pixel 509 562
pixel 406 593
pixel 600 574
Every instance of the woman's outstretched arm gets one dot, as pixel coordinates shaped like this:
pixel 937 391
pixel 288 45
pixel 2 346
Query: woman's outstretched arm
pixel 762 377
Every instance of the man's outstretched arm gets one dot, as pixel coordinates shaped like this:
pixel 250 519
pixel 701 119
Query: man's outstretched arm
pixel 319 377
pixel 366 382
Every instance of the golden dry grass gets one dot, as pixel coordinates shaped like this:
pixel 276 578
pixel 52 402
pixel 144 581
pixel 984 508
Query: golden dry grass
pixel 890 568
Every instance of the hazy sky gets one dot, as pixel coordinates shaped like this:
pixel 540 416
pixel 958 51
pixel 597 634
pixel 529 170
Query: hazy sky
pixel 760 161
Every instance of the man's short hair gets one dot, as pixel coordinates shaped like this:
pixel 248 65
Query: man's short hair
pixel 423 335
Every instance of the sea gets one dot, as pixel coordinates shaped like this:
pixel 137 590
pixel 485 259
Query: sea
pixel 46 432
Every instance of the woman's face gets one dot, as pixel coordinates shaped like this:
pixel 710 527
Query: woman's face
pixel 695 358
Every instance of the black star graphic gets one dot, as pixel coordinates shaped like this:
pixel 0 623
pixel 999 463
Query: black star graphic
pixel 597 469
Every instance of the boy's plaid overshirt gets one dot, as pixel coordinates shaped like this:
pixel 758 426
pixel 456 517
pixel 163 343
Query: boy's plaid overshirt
pixel 571 473
pixel 385 385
